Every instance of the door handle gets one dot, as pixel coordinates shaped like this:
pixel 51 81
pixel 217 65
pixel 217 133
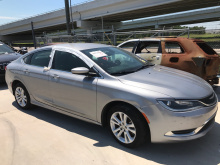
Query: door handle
pixel 26 71
pixel 55 76
pixel 157 57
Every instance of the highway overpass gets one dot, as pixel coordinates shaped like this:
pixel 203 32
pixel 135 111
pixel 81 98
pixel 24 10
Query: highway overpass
pixel 212 14
pixel 94 13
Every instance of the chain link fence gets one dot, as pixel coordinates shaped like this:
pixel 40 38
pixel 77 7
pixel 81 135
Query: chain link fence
pixel 211 37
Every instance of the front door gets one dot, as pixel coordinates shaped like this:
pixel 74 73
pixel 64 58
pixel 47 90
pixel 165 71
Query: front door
pixel 72 92
pixel 150 51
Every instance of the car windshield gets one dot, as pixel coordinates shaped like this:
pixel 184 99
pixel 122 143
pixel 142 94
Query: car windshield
pixel 116 61
pixel 4 49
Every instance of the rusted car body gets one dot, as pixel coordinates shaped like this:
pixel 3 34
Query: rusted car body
pixel 190 55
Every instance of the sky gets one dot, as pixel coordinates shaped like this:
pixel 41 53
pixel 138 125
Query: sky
pixel 12 10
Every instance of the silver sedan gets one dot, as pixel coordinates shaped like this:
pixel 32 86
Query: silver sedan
pixel 135 100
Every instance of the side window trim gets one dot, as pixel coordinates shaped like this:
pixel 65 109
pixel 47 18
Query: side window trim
pixel 51 58
pixel 160 47
pixel 135 46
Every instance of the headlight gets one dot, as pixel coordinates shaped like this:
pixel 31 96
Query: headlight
pixel 180 105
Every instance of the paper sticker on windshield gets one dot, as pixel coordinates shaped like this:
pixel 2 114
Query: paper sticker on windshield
pixel 98 54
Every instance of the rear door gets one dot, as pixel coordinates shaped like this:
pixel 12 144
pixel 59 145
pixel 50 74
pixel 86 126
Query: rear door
pixel 35 77
pixel 174 55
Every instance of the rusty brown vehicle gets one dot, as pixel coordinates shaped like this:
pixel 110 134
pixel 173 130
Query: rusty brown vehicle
pixel 190 55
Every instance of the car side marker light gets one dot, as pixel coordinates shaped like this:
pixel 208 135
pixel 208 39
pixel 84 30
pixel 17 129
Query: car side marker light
pixel 145 116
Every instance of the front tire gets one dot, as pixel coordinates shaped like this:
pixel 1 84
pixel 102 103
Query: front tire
pixel 22 96
pixel 127 126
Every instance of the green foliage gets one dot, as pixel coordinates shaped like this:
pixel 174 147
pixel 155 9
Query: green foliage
pixel 201 29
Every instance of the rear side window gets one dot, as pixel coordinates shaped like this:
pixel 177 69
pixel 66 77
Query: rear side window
pixel 173 48
pixel 206 48
pixel 66 61
pixel 40 58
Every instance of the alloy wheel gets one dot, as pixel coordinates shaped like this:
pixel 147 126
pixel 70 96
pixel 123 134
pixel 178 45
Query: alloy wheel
pixel 123 127
pixel 20 96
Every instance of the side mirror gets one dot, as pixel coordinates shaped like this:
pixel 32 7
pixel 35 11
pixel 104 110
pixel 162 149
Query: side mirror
pixel 80 70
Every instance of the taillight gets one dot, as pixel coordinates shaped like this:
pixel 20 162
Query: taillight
pixel 5 68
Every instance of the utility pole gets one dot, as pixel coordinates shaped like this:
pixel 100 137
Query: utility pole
pixel 33 35
pixel 67 16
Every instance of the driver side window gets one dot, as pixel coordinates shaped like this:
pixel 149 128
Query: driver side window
pixel 66 61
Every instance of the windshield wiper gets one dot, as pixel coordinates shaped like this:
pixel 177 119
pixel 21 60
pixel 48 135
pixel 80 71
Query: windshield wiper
pixel 131 71
pixel 122 73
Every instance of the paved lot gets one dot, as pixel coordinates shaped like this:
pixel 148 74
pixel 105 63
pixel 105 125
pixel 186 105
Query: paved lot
pixel 45 137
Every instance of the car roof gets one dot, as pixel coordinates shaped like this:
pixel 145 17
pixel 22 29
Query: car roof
pixel 79 46
pixel 144 39
pixel 167 38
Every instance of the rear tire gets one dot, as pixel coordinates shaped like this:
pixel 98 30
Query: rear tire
pixel 127 126
pixel 22 96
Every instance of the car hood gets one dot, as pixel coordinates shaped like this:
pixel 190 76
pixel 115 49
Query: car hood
pixel 171 82
pixel 9 57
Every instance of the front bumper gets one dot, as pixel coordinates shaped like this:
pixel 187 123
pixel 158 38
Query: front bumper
pixel 169 126
pixel 192 133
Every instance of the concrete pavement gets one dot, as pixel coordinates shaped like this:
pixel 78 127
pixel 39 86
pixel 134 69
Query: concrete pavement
pixel 44 137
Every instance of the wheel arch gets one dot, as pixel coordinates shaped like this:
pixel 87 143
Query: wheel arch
pixel 14 83
pixel 108 106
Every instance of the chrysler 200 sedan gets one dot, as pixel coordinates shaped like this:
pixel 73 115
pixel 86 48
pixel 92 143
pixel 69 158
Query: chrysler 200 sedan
pixel 106 85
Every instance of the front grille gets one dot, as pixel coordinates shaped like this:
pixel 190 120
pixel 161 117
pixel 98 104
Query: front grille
pixel 210 100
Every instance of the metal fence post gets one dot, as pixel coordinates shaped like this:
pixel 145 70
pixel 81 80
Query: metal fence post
pixel 67 16
pixel 114 36
pixel 103 36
